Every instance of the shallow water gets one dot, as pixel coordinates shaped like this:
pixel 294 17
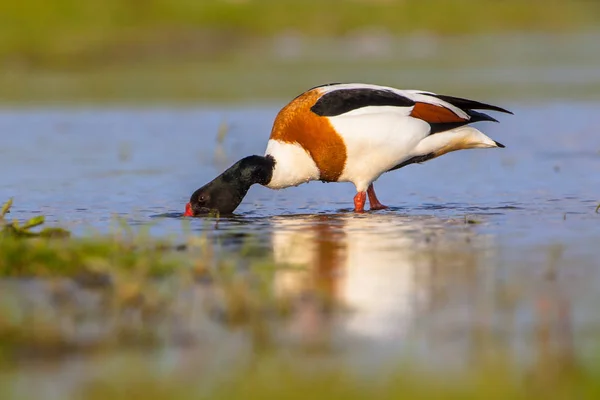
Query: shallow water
pixel 500 241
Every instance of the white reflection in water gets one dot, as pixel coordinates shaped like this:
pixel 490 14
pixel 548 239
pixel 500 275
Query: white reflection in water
pixel 386 270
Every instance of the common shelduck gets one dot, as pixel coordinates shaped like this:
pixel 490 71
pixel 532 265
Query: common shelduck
pixel 349 133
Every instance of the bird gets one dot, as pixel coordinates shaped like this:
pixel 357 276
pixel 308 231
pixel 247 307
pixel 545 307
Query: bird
pixel 350 132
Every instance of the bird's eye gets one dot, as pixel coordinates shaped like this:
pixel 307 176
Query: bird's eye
pixel 202 199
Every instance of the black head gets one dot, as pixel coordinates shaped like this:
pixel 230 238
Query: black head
pixel 224 193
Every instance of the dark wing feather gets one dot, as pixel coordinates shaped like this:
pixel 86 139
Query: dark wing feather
pixel 342 101
pixel 466 104
pixel 469 107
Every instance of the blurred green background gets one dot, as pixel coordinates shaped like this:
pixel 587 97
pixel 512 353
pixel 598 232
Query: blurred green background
pixel 208 50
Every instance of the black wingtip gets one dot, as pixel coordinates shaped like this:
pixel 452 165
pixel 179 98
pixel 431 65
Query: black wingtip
pixel 499 144
pixel 499 109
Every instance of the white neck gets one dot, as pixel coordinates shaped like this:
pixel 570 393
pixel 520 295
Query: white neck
pixel 293 165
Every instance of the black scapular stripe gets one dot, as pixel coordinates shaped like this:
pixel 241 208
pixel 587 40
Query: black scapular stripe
pixel 416 159
pixel 344 100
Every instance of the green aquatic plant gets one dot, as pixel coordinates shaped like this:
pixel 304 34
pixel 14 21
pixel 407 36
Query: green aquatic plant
pixel 25 251
pixel 15 229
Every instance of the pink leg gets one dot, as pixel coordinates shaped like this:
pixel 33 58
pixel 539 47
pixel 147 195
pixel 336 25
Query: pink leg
pixel 359 202
pixel 375 204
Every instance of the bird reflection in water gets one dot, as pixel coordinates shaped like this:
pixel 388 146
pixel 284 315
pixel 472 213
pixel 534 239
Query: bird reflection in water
pixel 384 271
pixel 418 284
